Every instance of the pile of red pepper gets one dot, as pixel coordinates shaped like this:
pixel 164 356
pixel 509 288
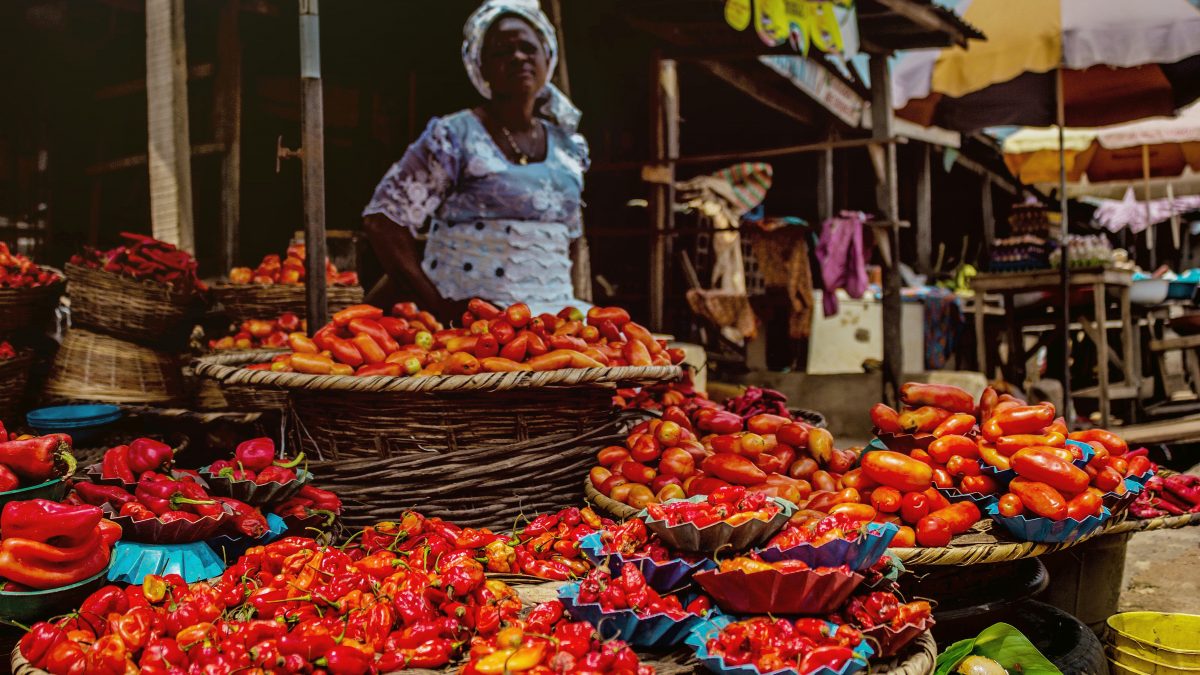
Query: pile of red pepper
pixel 6 350
pixel 631 539
pixel 127 463
pixel 18 271
pixel 731 504
pixel 547 547
pixel 545 642
pixel 630 591
pixel 1173 495
pixel 758 401
pixel 170 498
pixel 805 645
pixel 290 606
pixel 49 545
pixel 146 259
pixel 311 506
pixel 260 334
pixel 289 271
pixel 817 529
pixel 362 341
pixel 882 608
pixel 32 460
pixel 254 460
pixel 681 393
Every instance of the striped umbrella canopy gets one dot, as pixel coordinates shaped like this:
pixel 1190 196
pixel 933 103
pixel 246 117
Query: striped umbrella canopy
pixel 1120 61
pixel 1155 148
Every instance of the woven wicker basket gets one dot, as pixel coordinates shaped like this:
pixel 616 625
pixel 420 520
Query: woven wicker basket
pixel 98 368
pixel 14 375
pixel 141 311
pixel 481 449
pixel 262 301
pixel 25 308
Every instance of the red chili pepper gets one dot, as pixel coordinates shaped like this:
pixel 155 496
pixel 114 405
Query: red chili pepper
pixel 98 495
pixel 115 465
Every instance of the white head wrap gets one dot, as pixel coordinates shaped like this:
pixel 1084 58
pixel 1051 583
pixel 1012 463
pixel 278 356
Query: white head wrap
pixel 557 107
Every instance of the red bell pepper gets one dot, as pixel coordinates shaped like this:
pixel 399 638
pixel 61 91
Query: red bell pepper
pixel 115 465
pixel 38 459
pixel 147 454
pixel 98 495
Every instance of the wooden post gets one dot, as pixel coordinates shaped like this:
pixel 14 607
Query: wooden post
pixel 227 116
pixel 882 120
pixel 664 120
pixel 825 207
pixel 560 73
pixel 169 148
pixel 988 212
pixel 312 125
pixel 924 212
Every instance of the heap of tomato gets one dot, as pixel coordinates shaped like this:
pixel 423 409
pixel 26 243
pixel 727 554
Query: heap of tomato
pixel 260 334
pixel 18 271
pixel 288 271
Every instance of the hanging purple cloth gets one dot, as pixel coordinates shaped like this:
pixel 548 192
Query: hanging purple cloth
pixel 843 257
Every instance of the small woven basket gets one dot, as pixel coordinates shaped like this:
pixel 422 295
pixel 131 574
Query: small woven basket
pixel 24 308
pixel 267 301
pixel 99 368
pixel 142 311
pixel 14 375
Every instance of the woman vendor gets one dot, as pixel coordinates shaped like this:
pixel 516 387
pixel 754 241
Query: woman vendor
pixel 500 184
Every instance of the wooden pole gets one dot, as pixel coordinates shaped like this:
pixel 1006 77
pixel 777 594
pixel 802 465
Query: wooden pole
pixel 1064 261
pixel 924 212
pixel 227 114
pixel 664 119
pixel 825 208
pixel 988 212
pixel 169 147
pixel 886 192
pixel 560 72
pixel 312 125
pixel 1150 240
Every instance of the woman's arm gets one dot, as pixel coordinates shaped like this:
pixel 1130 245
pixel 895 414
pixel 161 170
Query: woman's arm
pixel 398 253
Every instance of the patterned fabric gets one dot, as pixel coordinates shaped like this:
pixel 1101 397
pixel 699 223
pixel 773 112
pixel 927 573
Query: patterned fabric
pixel 944 323
pixel 555 105
pixel 498 230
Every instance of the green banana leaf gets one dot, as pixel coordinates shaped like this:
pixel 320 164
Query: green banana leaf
pixel 1003 644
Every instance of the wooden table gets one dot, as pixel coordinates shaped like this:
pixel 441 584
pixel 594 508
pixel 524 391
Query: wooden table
pixel 1099 280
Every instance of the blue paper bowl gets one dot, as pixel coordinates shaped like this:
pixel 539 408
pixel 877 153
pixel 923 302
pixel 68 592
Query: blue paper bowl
pixel 651 632
pixel 661 576
pixel 1088 453
pixel 1047 531
pixel 716 664
pixel 1119 503
pixel 230 548
pixel 133 561
pixel 1005 476
pixel 859 554
pixel 1141 480
pixel 981 500
pixel 82 422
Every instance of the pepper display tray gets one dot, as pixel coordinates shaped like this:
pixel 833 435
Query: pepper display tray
pixel 891 640
pixel 155 531
pixel 28 606
pixel 954 495
pixel 649 632
pixel 1119 503
pixel 811 591
pixel 54 490
pixel 699 638
pixel 859 554
pixel 133 561
pixel 719 536
pixel 231 548
pixel 253 493
pixel 94 473
pixel 1047 531
pixel 1088 453
pixel 662 576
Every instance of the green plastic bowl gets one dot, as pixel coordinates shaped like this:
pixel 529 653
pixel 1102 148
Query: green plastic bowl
pixel 37 605
pixel 54 490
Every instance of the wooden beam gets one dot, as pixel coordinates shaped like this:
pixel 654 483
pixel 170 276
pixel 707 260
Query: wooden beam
pixel 825 209
pixel 926 16
pixel 988 213
pixel 227 120
pixel 888 200
pixel 169 150
pixel 747 155
pixel 924 212
pixel 560 73
pixel 737 78
pixel 134 161
pixel 998 180
pixel 200 71
pixel 664 120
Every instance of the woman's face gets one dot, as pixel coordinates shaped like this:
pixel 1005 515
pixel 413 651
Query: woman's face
pixel 513 60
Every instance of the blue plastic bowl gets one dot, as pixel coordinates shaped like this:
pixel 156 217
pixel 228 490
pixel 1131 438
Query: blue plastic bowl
pixel 81 422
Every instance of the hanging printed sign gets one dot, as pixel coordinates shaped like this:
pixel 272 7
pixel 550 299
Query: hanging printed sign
pixel 827 26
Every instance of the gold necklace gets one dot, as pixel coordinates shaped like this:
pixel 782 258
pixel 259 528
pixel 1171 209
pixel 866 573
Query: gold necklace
pixel 522 158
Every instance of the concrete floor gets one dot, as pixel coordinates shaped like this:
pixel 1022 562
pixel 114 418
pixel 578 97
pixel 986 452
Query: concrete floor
pixel 1162 570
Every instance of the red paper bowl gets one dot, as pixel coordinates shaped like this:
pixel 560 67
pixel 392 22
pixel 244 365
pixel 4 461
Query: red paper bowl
pixel 888 641
pixel 813 591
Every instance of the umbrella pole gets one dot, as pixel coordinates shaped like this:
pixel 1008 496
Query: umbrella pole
pixel 1064 262
pixel 1146 195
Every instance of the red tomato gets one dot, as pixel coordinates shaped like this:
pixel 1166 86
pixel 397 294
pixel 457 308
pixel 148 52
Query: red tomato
pixel 933 532
pixel 896 470
pixel 913 507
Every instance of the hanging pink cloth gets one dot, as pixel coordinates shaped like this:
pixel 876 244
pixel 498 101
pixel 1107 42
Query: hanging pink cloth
pixel 843 255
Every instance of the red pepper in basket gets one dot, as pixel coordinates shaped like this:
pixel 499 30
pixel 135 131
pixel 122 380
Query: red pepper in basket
pixel 40 641
pixel 115 465
pixel 259 453
pixel 247 520
pixel 163 495
pixel 321 499
pixel 275 474
pixel 98 495
pixel 147 454
pixel 39 459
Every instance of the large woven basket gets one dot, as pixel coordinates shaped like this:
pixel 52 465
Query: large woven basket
pixel 263 301
pixel 94 367
pixel 22 309
pixel 14 375
pixel 142 311
pixel 484 447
